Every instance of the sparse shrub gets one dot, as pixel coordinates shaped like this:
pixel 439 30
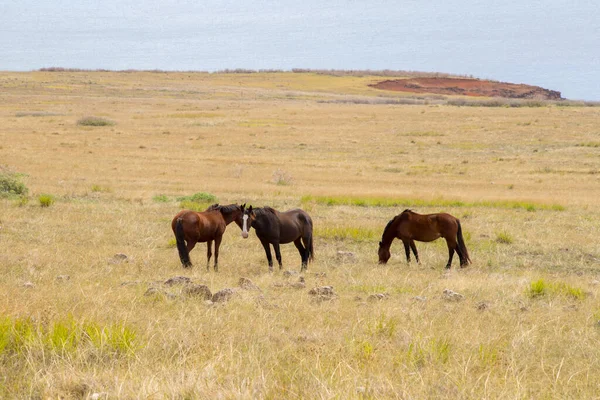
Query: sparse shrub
pixel 282 178
pixel 172 243
pixel 11 185
pixel 95 121
pixel 46 200
pixel 200 197
pixel 197 202
pixel 504 237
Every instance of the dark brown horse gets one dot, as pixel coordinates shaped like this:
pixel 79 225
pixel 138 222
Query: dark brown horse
pixel 274 227
pixel 191 227
pixel 410 226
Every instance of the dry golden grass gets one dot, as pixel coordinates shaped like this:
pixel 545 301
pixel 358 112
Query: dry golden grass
pixel 528 326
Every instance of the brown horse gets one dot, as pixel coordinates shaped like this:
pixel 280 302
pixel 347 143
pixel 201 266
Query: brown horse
pixel 274 227
pixel 410 226
pixel 191 227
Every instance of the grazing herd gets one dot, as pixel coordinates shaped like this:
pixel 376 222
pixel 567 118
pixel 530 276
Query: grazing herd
pixel 275 228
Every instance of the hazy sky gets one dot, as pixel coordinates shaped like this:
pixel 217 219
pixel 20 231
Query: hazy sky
pixel 554 44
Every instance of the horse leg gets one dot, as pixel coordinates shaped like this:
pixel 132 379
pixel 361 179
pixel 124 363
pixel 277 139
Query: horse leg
pixel 208 254
pixel 303 253
pixel 451 247
pixel 414 249
pixel 407 250
pixel 268 252
pixel 217 245
pixel 277 254
pixel 190 245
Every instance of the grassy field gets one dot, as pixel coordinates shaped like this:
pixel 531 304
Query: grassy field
pixel 109 157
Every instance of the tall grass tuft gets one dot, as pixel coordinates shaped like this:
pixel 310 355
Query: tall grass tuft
pixel 541 288
pixel 46 200
pixel 67 335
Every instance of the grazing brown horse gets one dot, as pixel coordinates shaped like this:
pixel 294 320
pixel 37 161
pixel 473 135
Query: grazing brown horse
pixel 191 227
pixel 274 227
pixel 410 226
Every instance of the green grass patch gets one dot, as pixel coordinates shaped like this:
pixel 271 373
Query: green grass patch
pixel 346 233
pixel 422 134
pixel 542 288
pixel 95 121
pixel 440 202
pixel 161 198
pixel 64 336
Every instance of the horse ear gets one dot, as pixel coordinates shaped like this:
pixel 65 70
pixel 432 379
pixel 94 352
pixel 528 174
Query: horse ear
pixel 243 206
pixel 250 209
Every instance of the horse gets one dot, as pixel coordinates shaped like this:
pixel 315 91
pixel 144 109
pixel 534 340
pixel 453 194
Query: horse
pixel 191 227
pixel 274 227
pixel 409 226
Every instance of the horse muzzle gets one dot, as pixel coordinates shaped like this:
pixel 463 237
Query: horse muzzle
pixel 245 235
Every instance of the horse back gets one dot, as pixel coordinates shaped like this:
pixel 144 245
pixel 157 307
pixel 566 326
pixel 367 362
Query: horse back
pixel 200 226
pixel 427 227
pixel 294 224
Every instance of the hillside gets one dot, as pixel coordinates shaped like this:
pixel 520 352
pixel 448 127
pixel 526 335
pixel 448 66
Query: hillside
pixel 468 87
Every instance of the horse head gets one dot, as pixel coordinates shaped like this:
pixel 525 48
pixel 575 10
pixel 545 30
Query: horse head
pixel 384 253
pixel 247 218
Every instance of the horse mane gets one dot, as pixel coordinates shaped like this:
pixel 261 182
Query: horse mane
pixel 266 210
pixel 389 224
pixel 228 209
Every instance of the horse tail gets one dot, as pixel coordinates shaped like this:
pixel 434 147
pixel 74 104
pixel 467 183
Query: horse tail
pixel 309 241
pixel 461 245
pixel 309 247
pixel 184 255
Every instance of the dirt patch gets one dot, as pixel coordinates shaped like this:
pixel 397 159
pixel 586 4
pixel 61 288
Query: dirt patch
pixel 468 87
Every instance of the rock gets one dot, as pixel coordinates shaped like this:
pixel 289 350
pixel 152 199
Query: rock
pixel 345 256
pixel 320 275
pixel 451 295
pixel 301 284
pixel 377 297
pixel 119 258
pixel 261 301
pixel 195 290
pixel 63 277
pixel 28 285
pixel 481 306
pixel 289 273
pixel 223 295
pixel 152 291
pixel 130 283
pixel 323 293
pixel 247 284
pixel 595 282
pixel 420 298
pixel 178 280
